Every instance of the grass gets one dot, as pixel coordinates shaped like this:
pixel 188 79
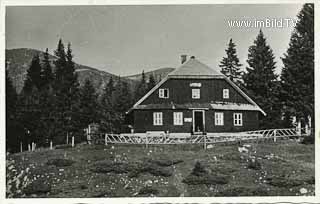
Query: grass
pixel 281 168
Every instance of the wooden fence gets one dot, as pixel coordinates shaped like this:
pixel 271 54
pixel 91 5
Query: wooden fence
pixel 157 138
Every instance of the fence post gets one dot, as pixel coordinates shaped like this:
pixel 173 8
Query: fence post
pixel 72 142
pixel 204 141
pixel 146 140
pixel 51 144
pixel 105 139
pixel 299 128
pixel 67 139
pixel 21 147
pixel 29 147
pixel 274 135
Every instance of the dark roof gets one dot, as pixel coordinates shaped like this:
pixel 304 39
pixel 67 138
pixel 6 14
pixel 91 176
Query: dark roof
pixel 194 68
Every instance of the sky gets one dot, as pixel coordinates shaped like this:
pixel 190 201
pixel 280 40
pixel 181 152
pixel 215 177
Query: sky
pixel 125 40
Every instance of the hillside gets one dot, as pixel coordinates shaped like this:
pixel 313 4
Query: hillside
pixel 18 61
pixel 285 168
pixel 158 74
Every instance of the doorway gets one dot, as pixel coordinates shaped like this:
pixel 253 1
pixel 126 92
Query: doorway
pixel 198 121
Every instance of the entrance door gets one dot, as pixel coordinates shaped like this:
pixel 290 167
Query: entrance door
pixel 198 118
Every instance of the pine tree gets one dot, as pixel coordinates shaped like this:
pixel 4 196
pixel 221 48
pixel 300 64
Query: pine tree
pixel 230 65
pixel 66 88
pixel 142 88
pixel 46 71
pixel 122 101
pixel 88 105
pixel 151 82
pixel 260 81
pixel 13 136
pixel 107 114
pixel 33 75
pixel 297 76
pixel 47 99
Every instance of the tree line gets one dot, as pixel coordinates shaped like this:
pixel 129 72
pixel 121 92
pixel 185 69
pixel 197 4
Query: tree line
pixel 52 105
pixel 284 97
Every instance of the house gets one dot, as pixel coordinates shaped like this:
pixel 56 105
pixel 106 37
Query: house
pixel 195 98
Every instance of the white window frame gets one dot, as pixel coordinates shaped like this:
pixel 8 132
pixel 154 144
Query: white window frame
pixel 219 118
pixel 161 93
pixel 195 93
pixel 237 119
pixel 157 118
pixel 225 93
pixel 177 118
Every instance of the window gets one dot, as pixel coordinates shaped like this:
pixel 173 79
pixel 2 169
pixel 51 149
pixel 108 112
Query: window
pixel 163 93
pixel 157 118
pixel 196 93
pixel 218 118
pixel 237 119
pixel 225 93
pixel 177 118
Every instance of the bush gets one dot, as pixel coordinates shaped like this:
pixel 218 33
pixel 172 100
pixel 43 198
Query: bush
pixel 165 162
pixel 60 162
pixel 254 164
pixel 205 179
pixel 148 191
pixel 308 140
pixel 244 191
pixel 281 181
pixel 37 187
pixel 134 169
pixel 199 169
pixel 200 175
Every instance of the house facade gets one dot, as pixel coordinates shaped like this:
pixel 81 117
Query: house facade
pixel 195 98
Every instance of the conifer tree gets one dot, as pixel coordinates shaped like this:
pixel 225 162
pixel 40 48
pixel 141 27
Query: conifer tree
pixel 230 65
pixel 141 88
pixel 33 78
pixel 88 104
pixel 107 113
pixel 13 136
pixel 46 71
pixel 260 81
pixel 297 77
pixel 151 82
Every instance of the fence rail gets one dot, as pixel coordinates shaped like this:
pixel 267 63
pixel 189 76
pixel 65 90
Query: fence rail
pixel 152 138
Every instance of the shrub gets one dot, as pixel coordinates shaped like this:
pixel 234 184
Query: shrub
pixel 200 175
pixel 37 187
pixel 60 162
pixel 199 169
pixel 205 179
pixel 308 139
pixel 244 191
pixel 165 162
pixel 281 181
pixel 148 191
pixel 254 164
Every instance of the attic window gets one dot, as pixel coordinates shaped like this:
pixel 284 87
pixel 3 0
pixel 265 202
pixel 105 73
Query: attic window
pixel 195 93
pixel 225 93
pixel 163 93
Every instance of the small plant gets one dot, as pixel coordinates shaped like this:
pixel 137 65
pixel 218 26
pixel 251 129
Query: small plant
pixel 148 191
pixel 254 164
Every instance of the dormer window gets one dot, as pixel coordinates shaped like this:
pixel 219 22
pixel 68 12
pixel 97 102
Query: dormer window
pixel 225 93
pixel 163 93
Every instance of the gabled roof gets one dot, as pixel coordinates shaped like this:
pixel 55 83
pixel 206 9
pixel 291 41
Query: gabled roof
pixel 196 70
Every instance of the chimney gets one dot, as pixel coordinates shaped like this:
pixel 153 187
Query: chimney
pixel 183 58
